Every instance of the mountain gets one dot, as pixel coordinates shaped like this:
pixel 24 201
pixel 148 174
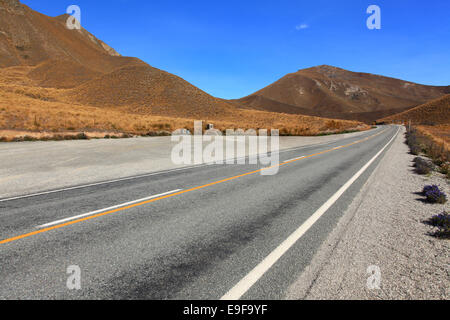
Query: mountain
pixel 331 92
pixel 29 38
pixel 96 74
pixel 435 112
pixel 149 90
pixel 53 79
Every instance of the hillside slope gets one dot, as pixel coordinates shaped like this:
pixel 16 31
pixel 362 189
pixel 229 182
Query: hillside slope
pixel 332 92
pixel 53 79
pixel 29 38
pixel 435 112
pixel 96 73
pixel 148 90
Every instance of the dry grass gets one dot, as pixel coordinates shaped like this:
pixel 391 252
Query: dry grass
pixel 430 133
pixel 437 143
pixel 36 109
pixel 440 134
pixel 433 142
pixel 64 82
pixel 434 112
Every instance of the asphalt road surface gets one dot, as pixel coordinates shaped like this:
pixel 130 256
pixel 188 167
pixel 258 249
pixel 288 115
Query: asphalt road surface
pixel 211 232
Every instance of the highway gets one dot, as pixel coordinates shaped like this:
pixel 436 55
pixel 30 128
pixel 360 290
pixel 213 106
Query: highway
pixel 207 232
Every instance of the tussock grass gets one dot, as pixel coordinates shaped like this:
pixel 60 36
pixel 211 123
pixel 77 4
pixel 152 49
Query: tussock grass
pixel 37 109
pixel 432 143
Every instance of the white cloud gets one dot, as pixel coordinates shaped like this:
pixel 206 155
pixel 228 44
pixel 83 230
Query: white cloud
pixel 302 26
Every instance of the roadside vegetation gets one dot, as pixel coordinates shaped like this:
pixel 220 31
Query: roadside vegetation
pixel 423 144
pixel 423 166
pixel 434 194
pixel 442 223
pixel 31 117
pixel 432 154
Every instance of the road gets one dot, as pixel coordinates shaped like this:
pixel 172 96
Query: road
pixel 194 233
pixel 31 167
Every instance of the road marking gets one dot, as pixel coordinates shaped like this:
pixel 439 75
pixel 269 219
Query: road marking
pixel 250 279
pixel 58 226
pixel 58 163
pixel 147 175
pixel 97 184
pixel 294 159
pixel 105 209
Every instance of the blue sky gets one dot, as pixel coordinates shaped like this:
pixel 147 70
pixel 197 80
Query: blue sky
pixel 233 48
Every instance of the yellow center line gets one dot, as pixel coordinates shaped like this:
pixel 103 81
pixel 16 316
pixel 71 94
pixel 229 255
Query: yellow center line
pixel 26 235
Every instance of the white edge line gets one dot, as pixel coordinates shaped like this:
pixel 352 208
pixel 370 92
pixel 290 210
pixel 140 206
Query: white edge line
pixel 250 279
pixel 100 183
pixel 143 175
pixel 105 209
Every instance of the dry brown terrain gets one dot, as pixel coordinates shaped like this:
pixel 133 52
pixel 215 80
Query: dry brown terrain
pixel 332 92
pixel 433 112
pixel 432 121
pixel 440 133
pixel 437 142
pixel 434 142
pixel 53 79
pixel 24 107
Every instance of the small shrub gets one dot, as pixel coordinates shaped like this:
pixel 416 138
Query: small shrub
pixel 158 134
pixel 29 138
pixel 442 222
pixel 434 194
pixel 415 149
pixel 445 168
pixel 423 166
pixel 413 142
pixel 82 136
pixel 58 137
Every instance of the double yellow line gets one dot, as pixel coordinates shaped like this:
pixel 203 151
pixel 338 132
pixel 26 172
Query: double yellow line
pixel 26 235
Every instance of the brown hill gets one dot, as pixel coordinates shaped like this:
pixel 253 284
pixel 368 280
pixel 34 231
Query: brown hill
pixel 61 74
pixel 29 38
pixel 55 79
pixel 148 90
pixel 99 75
pixel 435 112
pixel 332 92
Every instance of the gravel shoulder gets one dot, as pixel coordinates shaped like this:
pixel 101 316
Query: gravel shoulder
pixel 383 227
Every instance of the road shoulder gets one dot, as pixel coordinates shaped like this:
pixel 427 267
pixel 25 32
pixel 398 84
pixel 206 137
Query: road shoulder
pixel 383 227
